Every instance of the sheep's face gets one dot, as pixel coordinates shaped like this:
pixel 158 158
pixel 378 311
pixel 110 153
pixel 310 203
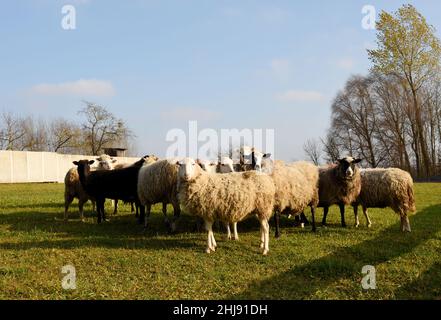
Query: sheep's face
pixel 84 165
pixel 347 167
pixel 105 163
pixel 226 165
pixel 258 157
pixel 188 169
pixel 206 165
pixel 253 157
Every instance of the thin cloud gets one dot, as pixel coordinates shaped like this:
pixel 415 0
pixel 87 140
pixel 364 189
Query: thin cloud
pixel 300 96
pixel 82 87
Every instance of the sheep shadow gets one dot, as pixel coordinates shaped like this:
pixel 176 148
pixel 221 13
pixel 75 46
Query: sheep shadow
pixel 122 231
pixel 303 281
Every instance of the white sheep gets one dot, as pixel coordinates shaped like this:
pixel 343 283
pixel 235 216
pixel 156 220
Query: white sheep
pixel 381 188
pixel 229 197
pixel 296 189
pixel 157 183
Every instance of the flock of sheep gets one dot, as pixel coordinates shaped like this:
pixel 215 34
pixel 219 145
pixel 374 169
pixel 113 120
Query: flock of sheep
pixel 230 192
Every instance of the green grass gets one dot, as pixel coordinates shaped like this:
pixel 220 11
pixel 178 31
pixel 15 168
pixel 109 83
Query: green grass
pixel 115 260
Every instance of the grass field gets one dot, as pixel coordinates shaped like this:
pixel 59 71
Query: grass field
pixel 115 260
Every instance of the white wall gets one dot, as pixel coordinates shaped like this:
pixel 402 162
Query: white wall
pixel 27 166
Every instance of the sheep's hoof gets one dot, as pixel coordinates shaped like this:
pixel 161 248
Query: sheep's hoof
pixel 324 224
pixel 302 225
pixel 265 252
pixel 369 225
pixel 357 225
pixel 236 238
pixel 83 219
pixel 208 250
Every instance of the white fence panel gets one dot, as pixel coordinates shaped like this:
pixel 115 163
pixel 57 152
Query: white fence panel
pixel 27 166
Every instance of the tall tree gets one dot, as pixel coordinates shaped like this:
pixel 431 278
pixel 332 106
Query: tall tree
pixel 408 49
pixel 101 128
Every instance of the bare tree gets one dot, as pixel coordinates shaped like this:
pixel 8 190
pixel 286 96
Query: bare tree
pixel 312 149
pixel 64 136
pixel 11 131
pixel 331 147
pixel 101 128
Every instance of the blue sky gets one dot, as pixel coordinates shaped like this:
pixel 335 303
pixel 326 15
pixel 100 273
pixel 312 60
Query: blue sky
pixel 158 64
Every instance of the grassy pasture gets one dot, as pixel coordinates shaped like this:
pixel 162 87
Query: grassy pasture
pixel 116 260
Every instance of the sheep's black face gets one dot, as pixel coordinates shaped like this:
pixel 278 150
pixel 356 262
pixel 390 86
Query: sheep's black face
pixel 347 167
pixel 83 165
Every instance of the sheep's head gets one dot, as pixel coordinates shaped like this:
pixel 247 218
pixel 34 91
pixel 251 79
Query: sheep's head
pixel 188 169
pixel 105 162
pixel 226 165
pixel 206 165
pixel 258 157
pixel 84 165
pixel 252 156
pixel 149 159
pixel 347 167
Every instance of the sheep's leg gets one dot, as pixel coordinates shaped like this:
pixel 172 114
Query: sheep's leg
pixel 235 234
pixel 313 218
pixel 325 214
pixel 365 212
pixel 80 208
pixel 141 219
pixel 277 223
pixel 93 205
pixel 115 206
pixel 405 225
pixel 357 222
pixel 147 215
pixel 67 201
pixel 100 209
pixel 342 213
pixel 141 213
pixel 210 237
pixel 227 225
pixel 264 236
pixel 303 219
pixel 166 220
pixel 132 207
pixel 176 215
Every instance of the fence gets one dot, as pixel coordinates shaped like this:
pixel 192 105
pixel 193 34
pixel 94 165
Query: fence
pixel 27 166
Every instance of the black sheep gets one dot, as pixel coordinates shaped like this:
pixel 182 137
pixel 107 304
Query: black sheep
pixel 114 184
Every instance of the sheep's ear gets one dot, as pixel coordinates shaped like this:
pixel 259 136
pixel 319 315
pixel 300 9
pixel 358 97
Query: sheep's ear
pixel 76 163
pixel 357 161
pixel 267 155
pixel 91 161
pixel 114 160
pixel 177 163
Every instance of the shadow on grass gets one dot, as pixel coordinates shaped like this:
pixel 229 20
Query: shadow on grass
pixel 305 281
pixel 426 286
